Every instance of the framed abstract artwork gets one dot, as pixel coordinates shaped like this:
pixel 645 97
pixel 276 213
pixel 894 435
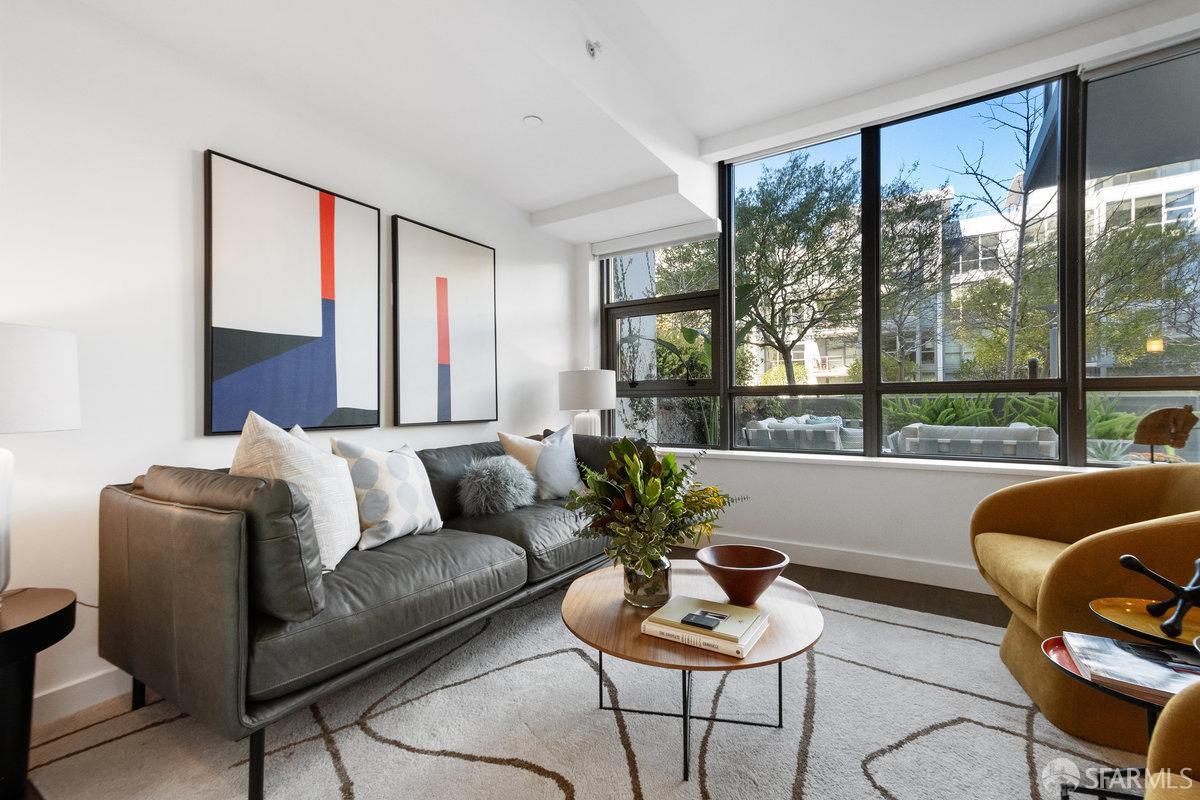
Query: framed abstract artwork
pixel 291 304
pixel 445 309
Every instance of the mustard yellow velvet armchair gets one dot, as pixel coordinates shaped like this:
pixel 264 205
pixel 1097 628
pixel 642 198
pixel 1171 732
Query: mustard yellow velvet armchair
pixel 1048 547
pixel 1173 763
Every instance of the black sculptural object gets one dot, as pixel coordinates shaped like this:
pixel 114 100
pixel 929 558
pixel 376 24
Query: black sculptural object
pixel 1183 597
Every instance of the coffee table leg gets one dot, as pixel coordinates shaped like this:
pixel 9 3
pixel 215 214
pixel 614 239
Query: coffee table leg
pixel 687 721
pixel 780 725
pixel 600 681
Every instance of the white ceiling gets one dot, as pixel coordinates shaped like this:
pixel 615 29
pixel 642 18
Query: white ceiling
pixel 726 65
pixel 450 80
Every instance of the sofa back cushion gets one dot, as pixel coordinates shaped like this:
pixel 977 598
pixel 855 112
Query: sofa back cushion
pixel 593 450
pixel 285 560
pixel 446 467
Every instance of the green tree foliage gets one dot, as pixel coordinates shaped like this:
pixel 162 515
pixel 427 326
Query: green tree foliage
pixel 911 274
pixel 797 253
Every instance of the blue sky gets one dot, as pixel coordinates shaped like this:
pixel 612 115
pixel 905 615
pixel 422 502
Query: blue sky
pixel 931 142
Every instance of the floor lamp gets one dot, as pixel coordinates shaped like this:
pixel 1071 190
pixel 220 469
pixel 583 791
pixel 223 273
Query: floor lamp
pixel 39 391
pixel 587 391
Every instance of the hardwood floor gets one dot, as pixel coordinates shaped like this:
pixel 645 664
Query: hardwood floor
pixel 971 606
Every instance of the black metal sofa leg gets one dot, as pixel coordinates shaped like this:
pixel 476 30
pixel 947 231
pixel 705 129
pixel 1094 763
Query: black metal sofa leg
pixel 138 694
pixel 258 752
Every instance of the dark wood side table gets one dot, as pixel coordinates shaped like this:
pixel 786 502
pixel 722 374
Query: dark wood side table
pixel 30 621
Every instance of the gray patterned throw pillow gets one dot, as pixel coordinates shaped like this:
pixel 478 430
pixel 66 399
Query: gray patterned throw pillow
pixel 393 492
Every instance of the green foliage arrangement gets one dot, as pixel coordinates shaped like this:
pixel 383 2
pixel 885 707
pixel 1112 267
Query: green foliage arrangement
pixel 982 410
pixel 1104 421
pixel 644 505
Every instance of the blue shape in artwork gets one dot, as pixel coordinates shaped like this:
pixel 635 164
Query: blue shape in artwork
pixel 443 395
pixel 298 387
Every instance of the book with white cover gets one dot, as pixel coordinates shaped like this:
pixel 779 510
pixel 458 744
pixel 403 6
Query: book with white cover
pixel 1154 673
pixel 703 641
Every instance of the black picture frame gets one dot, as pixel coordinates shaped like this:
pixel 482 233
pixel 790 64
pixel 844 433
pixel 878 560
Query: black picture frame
pixel 209 155
pixel 396 220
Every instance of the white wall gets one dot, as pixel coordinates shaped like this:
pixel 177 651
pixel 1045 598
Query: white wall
pixel 101 233
pixel 897 519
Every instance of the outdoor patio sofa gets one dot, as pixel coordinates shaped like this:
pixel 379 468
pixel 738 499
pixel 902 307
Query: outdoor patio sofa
pixel 1017 440
pixel 804 432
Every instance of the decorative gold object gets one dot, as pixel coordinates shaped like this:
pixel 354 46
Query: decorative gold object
pixel 1169 426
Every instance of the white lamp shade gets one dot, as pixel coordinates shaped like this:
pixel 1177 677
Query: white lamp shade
pixel 582 389
pixel 39 379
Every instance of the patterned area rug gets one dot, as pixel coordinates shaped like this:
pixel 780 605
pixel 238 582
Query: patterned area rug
pixel 892 704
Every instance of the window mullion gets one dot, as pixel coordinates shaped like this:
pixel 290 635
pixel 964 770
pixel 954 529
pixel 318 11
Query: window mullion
pixel 870 222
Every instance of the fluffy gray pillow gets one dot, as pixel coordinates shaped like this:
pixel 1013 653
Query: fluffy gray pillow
pixel 495 485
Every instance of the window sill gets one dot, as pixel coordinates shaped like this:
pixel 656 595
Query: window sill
pixel 927 464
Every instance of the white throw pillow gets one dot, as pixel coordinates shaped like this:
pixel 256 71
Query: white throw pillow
pixel 267 451
pixel 551 461
pixel 393 491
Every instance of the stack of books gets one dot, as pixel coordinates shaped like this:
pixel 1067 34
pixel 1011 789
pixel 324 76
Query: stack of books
pixel 1149 672
pixel 721 628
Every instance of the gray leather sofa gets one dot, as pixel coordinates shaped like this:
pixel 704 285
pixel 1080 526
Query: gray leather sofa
pixel 211 590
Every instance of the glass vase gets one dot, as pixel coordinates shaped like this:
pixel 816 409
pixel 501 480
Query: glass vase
pixel 649 591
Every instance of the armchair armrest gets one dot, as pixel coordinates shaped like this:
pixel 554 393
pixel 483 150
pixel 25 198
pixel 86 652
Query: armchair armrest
pixel 1175 748
pixel 173 603
pixel 1069 507
pixel 1088 570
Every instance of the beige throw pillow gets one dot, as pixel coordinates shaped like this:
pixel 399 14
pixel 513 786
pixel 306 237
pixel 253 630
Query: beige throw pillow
pixel 551 461
pixel 267 451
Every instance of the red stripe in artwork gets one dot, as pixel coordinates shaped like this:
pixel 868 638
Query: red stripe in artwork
pixel 443 321
pixel 326 246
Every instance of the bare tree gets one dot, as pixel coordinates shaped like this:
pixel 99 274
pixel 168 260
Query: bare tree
pixel 1021 114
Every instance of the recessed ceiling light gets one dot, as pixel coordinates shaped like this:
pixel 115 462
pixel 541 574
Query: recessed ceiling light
pixel 532 121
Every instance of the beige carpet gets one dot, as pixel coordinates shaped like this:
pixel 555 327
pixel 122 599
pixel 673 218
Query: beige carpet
pixel 915 707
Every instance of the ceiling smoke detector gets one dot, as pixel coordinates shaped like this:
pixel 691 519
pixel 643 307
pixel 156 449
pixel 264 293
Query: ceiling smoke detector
pixel 532 121
pixel 593 47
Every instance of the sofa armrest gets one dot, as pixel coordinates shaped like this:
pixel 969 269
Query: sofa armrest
pixel 173 603
pixel 1089 570
pixel 1067 508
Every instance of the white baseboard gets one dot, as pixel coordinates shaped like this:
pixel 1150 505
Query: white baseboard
pixel 934 573
pixel 67 699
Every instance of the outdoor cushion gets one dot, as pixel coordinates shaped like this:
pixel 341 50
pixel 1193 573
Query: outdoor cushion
pixel 446 467
pixel 1017 563
pixel 544 530
pixel 379 599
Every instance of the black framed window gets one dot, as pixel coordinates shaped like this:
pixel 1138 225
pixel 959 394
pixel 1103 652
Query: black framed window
pixel 1015 277
pixel 1141 256
pixel 662 328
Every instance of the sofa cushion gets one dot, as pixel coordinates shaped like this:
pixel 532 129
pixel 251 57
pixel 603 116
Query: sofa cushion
pixel 1017 563
pixel 284 559
pixel 379 599
pixel 446 466
pixel 544 530
pixel 267 451
pixel 392 489
pixel 593 450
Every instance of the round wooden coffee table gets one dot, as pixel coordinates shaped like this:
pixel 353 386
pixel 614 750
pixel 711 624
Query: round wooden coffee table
pixel 595 610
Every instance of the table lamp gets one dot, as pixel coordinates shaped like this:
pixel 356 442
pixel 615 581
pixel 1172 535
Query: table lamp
pixel 587 391
pixel 39 391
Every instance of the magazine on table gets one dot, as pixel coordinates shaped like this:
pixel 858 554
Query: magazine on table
pixel 1150 672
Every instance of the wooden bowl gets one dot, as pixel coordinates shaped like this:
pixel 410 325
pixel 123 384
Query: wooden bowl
pixel 744 571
